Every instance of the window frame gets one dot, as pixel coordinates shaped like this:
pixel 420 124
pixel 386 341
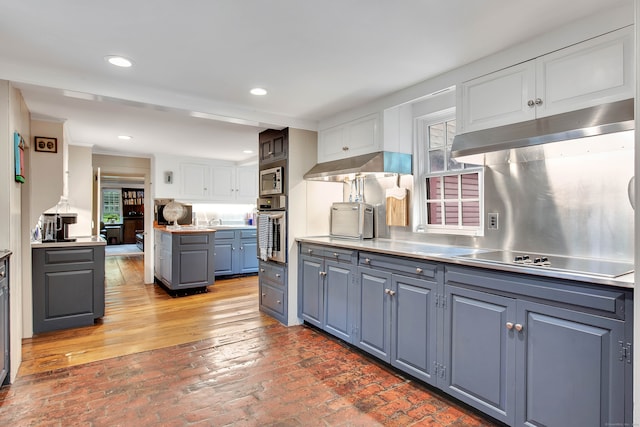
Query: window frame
pixel 421 124
pixel 120 207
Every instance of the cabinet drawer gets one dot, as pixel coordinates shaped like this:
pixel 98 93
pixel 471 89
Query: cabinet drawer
pixel 66 256
pixel 565 293
pixel 272 298
pixel 417 268
pixel 247 234
pixel 225 234
pixel 194 239
pixel 337 254
pixel 272 273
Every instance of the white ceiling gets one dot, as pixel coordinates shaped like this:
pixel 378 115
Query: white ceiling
pixel 316 59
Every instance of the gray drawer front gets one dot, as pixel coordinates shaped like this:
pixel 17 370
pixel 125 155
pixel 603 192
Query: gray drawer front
pixel 341 255
pixel 246 234
pixel 272 298
pixel 67 256
pixel 399 265
pixel 272 273
pixel 194 239
pixel 605 299
pixel 225 234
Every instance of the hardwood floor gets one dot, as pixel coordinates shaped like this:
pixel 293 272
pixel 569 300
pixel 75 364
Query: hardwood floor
pixel 141 317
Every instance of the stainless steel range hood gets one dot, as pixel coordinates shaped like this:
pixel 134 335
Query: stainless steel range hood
pixel 598 120
pixel 382 163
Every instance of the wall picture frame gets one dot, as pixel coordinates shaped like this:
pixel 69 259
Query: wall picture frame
pixel 46 144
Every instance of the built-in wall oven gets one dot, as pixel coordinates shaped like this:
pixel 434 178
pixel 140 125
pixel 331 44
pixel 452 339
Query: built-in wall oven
pixel 272 229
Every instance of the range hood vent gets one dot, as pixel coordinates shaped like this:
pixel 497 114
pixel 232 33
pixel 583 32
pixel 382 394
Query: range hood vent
pixel 382 163
pixel 598 120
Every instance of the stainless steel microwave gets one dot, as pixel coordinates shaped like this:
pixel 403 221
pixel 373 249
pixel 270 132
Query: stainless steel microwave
pixel 271 182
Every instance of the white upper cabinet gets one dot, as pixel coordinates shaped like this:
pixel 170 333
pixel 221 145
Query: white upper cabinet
pixel 218 183
pixel 195 181
pixel 593 72
pixel 360 136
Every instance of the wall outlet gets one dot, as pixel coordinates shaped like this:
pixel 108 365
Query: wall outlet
pixel 493 221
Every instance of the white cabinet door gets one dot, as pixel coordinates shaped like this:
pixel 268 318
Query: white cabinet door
pixel 594 72
pixel 194 178
pixel 590 73
pixel 222 183
pixel 246 184
pixel 354 138
pixel 497 99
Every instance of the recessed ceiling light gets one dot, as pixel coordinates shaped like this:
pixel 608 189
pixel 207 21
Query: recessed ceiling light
pixel 258 91
pixel 248 151
pixel 119 61
pixel 125 137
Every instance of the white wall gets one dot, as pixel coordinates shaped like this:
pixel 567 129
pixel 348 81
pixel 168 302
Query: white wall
pixel 80 181
pixel 14 232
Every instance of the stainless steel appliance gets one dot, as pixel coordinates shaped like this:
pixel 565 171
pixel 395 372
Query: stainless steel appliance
pixel 272 229
pixel 271 181
pixel 591 266
pixel 352 219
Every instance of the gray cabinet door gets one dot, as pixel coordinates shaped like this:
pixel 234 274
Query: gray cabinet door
pixel 312 290
pixel 479 356
pixel 337 291
pixel 223 257
pixel 414 327
pixel 248 256
pixel 374 321
pixel 569 373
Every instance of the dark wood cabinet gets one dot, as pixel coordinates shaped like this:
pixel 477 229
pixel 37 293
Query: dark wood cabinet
pixel 273 145
pixel 132 226
pixel 133 214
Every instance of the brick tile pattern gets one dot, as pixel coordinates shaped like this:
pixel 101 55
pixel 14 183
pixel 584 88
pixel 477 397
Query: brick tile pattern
pixel 270 376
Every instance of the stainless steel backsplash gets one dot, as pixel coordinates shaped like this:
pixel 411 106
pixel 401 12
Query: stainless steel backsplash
pixel 565 199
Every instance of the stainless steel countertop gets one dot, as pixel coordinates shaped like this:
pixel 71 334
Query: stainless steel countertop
pixel 80 241
pixel 452 255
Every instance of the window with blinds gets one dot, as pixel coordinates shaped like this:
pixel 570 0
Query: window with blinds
pixel 452 189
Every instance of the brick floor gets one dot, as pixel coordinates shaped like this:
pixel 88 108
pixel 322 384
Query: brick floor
pixel 273 376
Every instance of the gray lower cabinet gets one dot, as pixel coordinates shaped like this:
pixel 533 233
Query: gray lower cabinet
pixel 397 312
pixel 184 260
pixel 536 352
pixel 4 320
pixel 236 252
pixel 272 280
pixel 526 350
pixel 327 290
pixel 68 286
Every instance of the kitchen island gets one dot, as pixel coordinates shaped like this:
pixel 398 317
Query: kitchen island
pixel 68 283
pixel 184 257
pixel 526 344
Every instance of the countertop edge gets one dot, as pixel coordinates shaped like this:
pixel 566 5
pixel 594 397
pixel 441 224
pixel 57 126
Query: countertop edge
pixel 80 241
pixel 385 247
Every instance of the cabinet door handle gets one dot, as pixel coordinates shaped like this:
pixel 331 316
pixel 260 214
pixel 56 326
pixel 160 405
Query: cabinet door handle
pixel 335 254
pixel 262 270
pixel 531 103
pixel 538 101
pixel 323 273
pixel 519 327
pixel 345 148
pixel 264 295
pixel 509 325
pixel 242 248
pixel 367 261
pixel 2 274
pixel 418 270
pixel 278 275
pixel 279 302
pixel 310 251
